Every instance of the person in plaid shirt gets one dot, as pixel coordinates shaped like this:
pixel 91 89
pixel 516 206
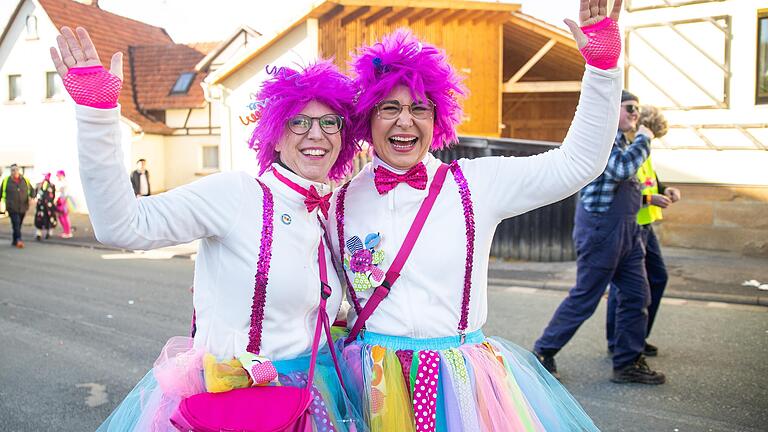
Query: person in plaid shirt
pixel 610 251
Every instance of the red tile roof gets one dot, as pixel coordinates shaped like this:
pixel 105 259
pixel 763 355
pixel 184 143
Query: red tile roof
pixel 112 33
pixel 156 69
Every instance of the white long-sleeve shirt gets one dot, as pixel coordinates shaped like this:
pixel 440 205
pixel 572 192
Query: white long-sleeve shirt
pixel 425 301
pixel 225 212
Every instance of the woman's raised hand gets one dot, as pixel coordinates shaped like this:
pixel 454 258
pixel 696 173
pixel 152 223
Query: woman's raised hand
pixel 78 64
pixel 597 34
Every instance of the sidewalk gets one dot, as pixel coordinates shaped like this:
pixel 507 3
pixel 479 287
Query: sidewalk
pixel 693 274
pixel 83 236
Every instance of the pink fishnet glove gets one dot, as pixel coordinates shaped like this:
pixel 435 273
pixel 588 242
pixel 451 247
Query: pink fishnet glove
pixel 603 44
pixel 93 86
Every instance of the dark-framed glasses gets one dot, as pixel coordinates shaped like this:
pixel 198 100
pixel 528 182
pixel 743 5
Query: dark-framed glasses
pixel 631 109
pixel 300 124
pixel 391 109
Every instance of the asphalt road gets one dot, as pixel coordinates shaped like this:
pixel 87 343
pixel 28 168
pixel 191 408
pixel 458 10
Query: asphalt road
pixel 77 331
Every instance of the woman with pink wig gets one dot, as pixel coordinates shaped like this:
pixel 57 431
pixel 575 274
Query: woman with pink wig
pixel 262 284
pixel 414 237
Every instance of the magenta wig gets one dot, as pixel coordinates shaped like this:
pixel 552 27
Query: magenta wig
pixel 286 93
pixel 61 173
pixel 400 58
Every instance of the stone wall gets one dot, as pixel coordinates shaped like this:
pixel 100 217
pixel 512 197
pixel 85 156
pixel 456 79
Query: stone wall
pixel 715 217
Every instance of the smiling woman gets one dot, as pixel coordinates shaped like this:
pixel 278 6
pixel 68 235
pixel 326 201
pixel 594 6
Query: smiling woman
pixel 262 290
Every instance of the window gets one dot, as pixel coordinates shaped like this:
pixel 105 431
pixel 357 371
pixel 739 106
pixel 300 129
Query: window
pixel 14 87
pixel 52 86
pixel 211 157
pixel 761 88
pixel 183 83
pixel 31 27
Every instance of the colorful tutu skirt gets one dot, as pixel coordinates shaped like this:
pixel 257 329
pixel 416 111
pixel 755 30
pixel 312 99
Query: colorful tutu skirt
pixel 178 373
pixel 483 384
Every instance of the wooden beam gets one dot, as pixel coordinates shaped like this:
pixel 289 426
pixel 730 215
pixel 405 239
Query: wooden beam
pixel 561 36
pixel 419 15
pixel 456 15
pixel 438 16
pixel 331 14
pixel 377 16
pixel 399 15
pixel 438 4
pixel 482 16
pixel 531 62
pixel 470 16
pixel 357 13
pixel 542 86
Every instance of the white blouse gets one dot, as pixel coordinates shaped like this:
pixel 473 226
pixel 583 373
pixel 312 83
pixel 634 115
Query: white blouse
pixel 425 301
pixel 224 211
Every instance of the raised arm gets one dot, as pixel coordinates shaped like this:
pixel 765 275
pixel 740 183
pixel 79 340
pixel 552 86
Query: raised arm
pixel 509 186
pixel 205 208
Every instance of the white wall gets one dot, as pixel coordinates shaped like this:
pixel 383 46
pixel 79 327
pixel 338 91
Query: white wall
pixel 298 47
pixel 184 158
pixel 737 167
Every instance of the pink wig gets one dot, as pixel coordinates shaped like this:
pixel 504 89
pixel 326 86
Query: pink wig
pixel 61 173
pixel 400 58
pixel 286 93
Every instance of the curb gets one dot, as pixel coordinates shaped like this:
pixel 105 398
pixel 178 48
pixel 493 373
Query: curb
pixel 92 245
pixel 669 293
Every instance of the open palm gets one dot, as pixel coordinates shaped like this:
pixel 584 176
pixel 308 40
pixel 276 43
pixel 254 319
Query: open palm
pixel 592 12
pixel 77 50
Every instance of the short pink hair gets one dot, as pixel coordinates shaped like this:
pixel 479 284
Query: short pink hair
pixel 400 58
pixel 286 93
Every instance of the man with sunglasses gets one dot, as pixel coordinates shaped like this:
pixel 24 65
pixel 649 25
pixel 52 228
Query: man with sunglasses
pixel 610 251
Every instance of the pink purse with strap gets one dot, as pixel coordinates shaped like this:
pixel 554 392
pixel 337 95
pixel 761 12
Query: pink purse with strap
pixel 261 409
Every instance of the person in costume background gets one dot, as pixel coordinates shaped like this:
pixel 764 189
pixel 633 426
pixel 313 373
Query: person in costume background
pixel 422 363
pixel 45 208
pixel 656 196
pixel 255 300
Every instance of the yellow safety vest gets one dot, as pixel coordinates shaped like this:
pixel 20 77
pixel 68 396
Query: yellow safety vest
pixel 648 185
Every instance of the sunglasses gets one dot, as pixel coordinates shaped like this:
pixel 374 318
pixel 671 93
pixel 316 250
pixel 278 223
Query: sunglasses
pixel 329 123
pixel 391 109
pixel 631 109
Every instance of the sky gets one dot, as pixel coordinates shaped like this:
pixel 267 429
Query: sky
pixel 208 20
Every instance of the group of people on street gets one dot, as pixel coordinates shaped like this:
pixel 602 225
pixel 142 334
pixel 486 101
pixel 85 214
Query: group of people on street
pixel 51 202
pixel 407 240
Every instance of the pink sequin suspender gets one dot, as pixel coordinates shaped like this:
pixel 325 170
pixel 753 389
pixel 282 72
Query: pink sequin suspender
pixel 262 271
pixel 469 222
pixel 469 219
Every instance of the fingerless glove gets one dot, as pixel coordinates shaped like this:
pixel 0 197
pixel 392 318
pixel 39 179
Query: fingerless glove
pixel 93 86
pixel 603 46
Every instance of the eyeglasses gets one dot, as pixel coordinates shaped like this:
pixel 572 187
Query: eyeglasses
pixel 631 109
pixel 391 109
pixel 329 123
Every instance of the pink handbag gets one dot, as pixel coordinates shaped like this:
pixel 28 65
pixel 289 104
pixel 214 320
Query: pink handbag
pixel 261 409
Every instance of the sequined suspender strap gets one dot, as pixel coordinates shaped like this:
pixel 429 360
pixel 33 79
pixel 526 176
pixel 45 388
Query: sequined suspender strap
pixel 469 220
pixel 262 271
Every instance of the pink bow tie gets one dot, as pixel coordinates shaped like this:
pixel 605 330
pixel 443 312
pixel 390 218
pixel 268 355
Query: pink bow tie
pixel 313 200
pixel 386 180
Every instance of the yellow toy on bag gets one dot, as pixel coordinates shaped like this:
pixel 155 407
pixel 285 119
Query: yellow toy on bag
pixel 224 376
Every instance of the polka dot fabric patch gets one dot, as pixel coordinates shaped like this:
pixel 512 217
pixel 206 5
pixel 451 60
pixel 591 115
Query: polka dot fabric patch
pixel 425 391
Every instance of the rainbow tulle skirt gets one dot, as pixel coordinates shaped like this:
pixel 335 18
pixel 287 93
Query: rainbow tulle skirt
pixel 483 384
pixel 178 373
